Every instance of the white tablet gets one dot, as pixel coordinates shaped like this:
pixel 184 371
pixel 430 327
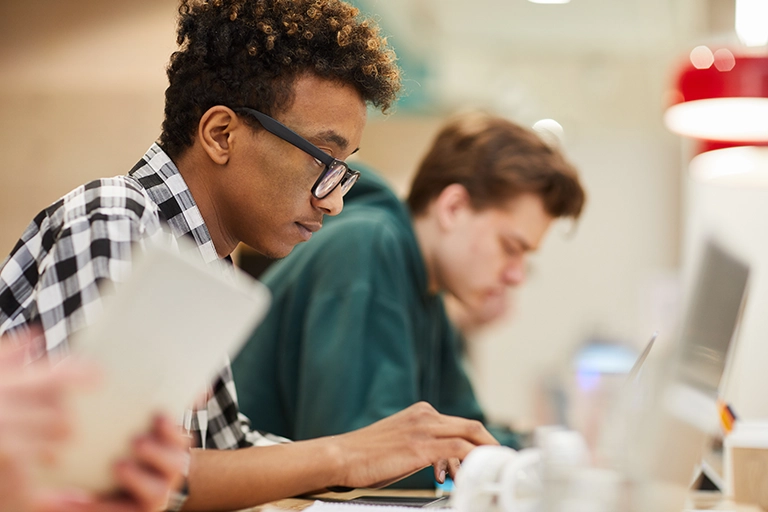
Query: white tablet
pixel 160 341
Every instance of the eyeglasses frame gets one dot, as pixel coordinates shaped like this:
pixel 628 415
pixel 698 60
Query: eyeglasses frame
pixel 278 129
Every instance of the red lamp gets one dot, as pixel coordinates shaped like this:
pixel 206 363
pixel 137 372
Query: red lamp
pixel 721 96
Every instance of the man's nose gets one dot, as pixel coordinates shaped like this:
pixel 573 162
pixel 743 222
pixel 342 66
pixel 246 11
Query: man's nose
pixel 514 273
pixel 332 204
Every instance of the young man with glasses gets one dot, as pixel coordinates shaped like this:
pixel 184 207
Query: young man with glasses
pixel 358 328
pixel 266 100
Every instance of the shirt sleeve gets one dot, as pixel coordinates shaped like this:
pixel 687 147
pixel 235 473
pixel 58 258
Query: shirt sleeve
pixel 221 424
pixel 83 265
pixel 70 257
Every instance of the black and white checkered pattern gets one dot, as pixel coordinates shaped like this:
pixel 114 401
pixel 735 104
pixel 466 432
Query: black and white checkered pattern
pixel 75 250
pixel 72 248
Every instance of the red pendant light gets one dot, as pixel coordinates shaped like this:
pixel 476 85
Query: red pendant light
pixel 721 96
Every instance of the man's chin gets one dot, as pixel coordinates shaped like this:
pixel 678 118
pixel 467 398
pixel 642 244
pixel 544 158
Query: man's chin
pixel 278 254
pixel 273 253
pixel 490 307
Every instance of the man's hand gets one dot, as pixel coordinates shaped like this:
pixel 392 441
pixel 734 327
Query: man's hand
pixel 406 442
pixel 373 456
pixel 160 460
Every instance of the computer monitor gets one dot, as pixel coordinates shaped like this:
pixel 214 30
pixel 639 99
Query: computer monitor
pixel 668 433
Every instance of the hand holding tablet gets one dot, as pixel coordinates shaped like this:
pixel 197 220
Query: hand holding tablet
pixel 159 341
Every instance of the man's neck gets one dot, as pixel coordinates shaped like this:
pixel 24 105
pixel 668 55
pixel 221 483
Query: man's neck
pixel 426 236
pixel 196 171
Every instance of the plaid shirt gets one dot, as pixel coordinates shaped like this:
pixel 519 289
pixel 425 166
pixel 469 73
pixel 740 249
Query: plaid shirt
pixel 74 251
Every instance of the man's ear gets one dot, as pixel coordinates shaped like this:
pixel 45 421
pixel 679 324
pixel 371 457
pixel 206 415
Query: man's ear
pixel 450 205
pixel 215 132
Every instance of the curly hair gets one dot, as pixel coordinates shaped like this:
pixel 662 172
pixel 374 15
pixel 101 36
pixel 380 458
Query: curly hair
pixel 496 160
pixel 249 53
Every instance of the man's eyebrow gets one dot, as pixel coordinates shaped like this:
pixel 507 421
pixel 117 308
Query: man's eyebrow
pixel 525 245
pixel 333 137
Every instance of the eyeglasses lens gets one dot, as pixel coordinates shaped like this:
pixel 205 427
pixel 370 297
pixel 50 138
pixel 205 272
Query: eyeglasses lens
pixel 347 181
pixel 331 178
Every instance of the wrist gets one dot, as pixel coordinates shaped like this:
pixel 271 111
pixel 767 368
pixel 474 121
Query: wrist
pixel 337 466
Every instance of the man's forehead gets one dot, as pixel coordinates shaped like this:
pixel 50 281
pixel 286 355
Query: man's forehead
pixel 526 202
pixel 327 111
pixel 524 220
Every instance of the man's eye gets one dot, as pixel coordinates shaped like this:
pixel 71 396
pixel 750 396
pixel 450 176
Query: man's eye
pixel 511 249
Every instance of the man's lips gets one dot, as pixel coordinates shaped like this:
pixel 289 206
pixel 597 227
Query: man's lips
pixel 307 228
pixel 311 226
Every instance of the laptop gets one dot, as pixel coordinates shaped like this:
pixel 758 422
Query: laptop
pixel 667 434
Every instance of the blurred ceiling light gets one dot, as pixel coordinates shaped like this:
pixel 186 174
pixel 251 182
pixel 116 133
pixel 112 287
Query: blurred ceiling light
pixel 702 57
pixel 731 119
pixel 724 59
pixel 549 1
pixel 752 22
pixel 550 130
pixel 745 166
pixel 725 102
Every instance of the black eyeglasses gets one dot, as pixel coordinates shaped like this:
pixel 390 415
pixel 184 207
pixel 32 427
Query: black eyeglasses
pixel 336 172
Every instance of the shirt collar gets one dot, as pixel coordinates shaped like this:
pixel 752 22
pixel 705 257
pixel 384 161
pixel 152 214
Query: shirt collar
pixel 160 177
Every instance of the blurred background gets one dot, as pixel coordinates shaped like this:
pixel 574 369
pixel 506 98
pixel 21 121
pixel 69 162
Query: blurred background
pixel 81 97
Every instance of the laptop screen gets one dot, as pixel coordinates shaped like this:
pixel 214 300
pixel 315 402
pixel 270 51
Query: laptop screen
pixel 713 313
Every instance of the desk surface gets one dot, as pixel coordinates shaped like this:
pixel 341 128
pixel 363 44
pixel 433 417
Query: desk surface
pixel 304 502
pixel 697 501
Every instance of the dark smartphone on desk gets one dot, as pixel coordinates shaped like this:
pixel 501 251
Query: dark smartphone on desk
pixel 403 501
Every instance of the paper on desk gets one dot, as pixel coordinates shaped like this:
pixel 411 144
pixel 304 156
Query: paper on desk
pixel 325 506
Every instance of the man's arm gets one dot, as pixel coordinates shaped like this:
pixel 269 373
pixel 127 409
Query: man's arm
pixel 373 456
pixel 69 257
